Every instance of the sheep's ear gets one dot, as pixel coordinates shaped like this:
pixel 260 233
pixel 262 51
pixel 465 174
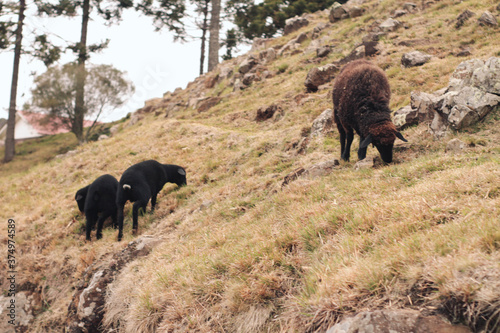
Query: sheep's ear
pixel 366 142
pixel 400 136
pixel 181 172
pixel 79 197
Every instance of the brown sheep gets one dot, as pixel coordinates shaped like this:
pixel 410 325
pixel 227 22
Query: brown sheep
pixel 361 95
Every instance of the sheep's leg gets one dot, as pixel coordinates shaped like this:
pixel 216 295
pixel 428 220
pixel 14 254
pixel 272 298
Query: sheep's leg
pixel 342 137
pixel 153 202
pixel 138 205
pixel 120 221
pixel 91 218
pixel 347 151
pixel 114 219
pixel 361 151
pixel 100 223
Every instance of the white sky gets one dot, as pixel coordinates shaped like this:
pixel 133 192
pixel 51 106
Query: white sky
pixel 151 60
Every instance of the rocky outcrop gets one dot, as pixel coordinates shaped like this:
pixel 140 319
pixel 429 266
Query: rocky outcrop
pixel 294 24
pixel 86 310
pixel 395 321
pixel 473 92
pixel 267 112
pixel 463 17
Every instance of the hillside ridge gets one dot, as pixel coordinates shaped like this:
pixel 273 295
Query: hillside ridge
pixel 272 232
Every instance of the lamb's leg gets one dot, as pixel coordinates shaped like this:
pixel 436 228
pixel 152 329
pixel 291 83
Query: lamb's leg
pixel 138 205
pixel 91 218
pixel 120 221
pixel 100 223
pixel 153 202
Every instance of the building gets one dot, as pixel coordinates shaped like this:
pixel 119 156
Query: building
pixel 34 125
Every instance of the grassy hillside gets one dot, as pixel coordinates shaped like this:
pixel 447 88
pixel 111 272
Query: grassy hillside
pixel 242 254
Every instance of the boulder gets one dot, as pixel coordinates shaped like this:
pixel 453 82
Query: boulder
pixel 337 12
pixel 410 7
pixel 249 78
pixel 321 169
pixel 395 321
pixel 463 17
pixel 415 58
pixel 247 65
pixel 487 19
pixel 366 163
pixel 320 75
pixel 294 24
pixel 301 38
pixel 455 146
pixel 267 112
pixel 365 49
pixel 355 11
pixel 389 25
pixel 322 124
pixel 424 104
pixel 323 51
pixel 399 13
pixel 404 117
pixel 468 106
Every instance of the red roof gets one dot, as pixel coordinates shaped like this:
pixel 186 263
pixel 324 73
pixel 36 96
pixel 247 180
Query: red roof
pixel 47 124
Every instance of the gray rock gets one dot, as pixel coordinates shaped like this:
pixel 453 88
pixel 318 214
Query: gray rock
pixel 294 24
pixel 320 75
pixel 389 25
pixel 247 65
pixel 439 126
pixel 455 146
pixel 249 78
pixel 102 137
pixel 302 37
pixel 337 12
pixel 425 105
pixel 405 116
pixel 487 77
pixel 487 19
pixel 395 321
pixel 467 106
pixel 355 11
pixel 400 12
pixel 366 163
pixel 322 124
pixel 321 169
pixel 410 7
pixel 323 51
pixel 415 58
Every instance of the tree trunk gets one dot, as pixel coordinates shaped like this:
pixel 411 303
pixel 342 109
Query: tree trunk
pixel 10 143
pixel 213 46
pixel 204 29
pixel 77 126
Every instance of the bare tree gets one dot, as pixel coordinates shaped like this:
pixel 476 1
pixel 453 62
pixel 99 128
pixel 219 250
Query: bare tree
pixel 213 45
pixel 11 122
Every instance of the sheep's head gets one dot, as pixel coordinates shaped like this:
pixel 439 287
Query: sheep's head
pixel 383 136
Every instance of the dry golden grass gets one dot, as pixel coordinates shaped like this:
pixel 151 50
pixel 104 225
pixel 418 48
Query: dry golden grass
pixel 240 254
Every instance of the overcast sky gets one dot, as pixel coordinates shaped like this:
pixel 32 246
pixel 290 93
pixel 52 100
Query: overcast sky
pixel 151 60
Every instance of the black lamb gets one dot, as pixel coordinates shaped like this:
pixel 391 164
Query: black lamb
pixel 100 204
pixel 361 96
pixel 80 197
pixel 141 182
